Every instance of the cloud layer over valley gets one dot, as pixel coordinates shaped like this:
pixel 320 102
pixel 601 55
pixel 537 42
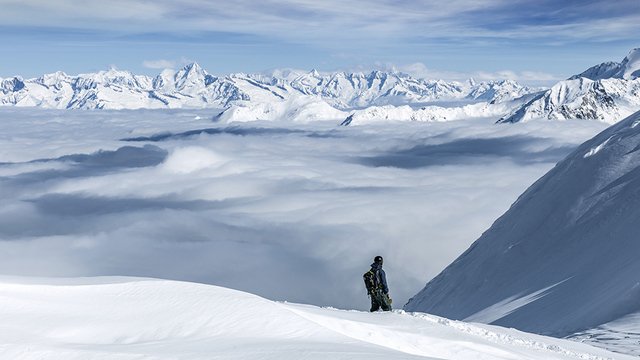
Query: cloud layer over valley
pixel 292 214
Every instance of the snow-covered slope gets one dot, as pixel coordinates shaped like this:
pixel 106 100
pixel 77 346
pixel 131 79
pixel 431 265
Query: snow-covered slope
pixel 628 69
pixel 621 335
pixel 607 92
pixel 601 71
pixel 297 109
pixel 498 91
pixel 564 257
pixel 127 318
pixel 630 66
pixel 193 87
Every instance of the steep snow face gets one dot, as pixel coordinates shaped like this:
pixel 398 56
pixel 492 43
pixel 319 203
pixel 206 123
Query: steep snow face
pixel 11 90
pixel 129 318
pixel 607 92
pixel 191 76
pixel 193 87
pixel 564 257
pixel 607 100
pixel 628 69
pixel 601 71
pixel 630 66
pixel 11 85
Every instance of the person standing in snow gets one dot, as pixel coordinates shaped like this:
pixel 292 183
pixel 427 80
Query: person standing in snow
pixel 376 283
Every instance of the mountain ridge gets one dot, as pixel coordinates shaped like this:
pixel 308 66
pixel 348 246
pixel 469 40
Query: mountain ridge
pixel 608 92
pixel 192 86
pixel 563 258
pixel 605 92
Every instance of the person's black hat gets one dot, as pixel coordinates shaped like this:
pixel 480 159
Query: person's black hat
pixel 378 259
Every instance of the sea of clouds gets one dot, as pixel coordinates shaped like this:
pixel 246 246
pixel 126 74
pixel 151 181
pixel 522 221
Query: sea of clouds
pixel 289 212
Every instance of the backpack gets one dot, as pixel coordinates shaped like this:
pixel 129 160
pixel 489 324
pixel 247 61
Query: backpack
pixel 370 281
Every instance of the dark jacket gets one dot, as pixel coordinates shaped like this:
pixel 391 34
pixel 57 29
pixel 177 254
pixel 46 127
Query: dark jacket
pixel 381 277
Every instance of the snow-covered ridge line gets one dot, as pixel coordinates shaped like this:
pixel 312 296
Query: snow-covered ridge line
pixel 628 68
pixel 194 87
pixel 607 92
pixel 160 319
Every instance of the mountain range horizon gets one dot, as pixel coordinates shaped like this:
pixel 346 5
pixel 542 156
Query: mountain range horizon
pixel 605 92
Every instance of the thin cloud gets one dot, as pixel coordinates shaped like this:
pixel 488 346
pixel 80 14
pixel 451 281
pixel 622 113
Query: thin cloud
pixel 321 22
pixel 420 70
pixel 522 76
pixel 159 64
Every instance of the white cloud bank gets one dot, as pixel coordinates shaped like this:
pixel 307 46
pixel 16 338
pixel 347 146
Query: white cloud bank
pixel 289 213
pixel 159 64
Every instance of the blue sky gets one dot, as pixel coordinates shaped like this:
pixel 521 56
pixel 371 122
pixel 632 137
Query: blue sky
pixel 530 41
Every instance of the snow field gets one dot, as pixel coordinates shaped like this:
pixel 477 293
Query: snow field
pixel 606 92
pixel 135 318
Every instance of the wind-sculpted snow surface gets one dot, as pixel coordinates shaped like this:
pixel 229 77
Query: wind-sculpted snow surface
pixel 134 318
pixel 564 257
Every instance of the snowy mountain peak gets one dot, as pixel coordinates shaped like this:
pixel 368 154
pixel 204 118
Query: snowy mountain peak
pixel 56 75
pixel 190 78
pixel 630 66
pixel 628 69
pixel 112 76
pixel 607 92
pixel 377 74
pixel 192 70
pixel 600 71
pixel 56 80
pixel 192 86
pixel 193 67
pixel 12 84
